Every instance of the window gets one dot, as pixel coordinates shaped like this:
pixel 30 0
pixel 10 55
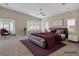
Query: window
pixel 33 25
pixel 8 25
pixel 47 25
pixel 71 24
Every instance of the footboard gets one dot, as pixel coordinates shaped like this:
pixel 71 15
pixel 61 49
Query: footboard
pixel 37 40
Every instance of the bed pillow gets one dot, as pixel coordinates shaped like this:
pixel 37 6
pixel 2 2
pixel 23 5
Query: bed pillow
pixel 49 30
pixel 63 36
pixel 53 30
pixel 59 31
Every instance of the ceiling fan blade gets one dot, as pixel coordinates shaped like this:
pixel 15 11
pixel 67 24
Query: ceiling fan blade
pixel 43 14
pixel 41 9
pixel 38 14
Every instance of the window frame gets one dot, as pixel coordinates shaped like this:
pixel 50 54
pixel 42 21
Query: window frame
pixel 34 23
pixel 72 26
pixel 9 20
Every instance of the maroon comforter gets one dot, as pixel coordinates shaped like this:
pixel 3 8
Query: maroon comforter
pixel 51 39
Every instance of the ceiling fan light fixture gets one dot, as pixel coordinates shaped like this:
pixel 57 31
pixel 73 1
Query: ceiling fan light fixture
pixel 41 12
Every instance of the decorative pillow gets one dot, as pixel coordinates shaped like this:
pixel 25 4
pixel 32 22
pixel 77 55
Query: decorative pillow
pixel 59 31
pixel 53 30
pixel 49 30
pixel 63 36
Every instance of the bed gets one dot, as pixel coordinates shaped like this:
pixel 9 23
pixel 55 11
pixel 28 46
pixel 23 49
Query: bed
pixel 48 39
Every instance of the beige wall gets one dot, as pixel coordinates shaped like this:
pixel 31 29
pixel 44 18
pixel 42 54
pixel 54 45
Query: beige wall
pixel 20 19
pixel 65 16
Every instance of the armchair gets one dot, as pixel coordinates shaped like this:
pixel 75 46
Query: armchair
pixel 4 32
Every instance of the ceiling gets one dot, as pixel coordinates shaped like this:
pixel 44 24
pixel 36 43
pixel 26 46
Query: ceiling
pixel 49 9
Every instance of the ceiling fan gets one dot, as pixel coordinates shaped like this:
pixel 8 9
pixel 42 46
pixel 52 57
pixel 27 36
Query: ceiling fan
pixel 42 12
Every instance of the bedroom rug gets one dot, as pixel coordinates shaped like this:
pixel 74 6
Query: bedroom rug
pixel 38 51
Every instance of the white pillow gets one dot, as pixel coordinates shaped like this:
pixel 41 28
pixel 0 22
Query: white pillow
pixel 59 31
pixel 48 30
pixel 63 36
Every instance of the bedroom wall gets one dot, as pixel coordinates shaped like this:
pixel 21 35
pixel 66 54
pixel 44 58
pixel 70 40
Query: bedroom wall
pixel 66 16
pixel 20 18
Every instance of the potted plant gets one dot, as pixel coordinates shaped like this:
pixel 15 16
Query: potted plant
pixel 25 30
